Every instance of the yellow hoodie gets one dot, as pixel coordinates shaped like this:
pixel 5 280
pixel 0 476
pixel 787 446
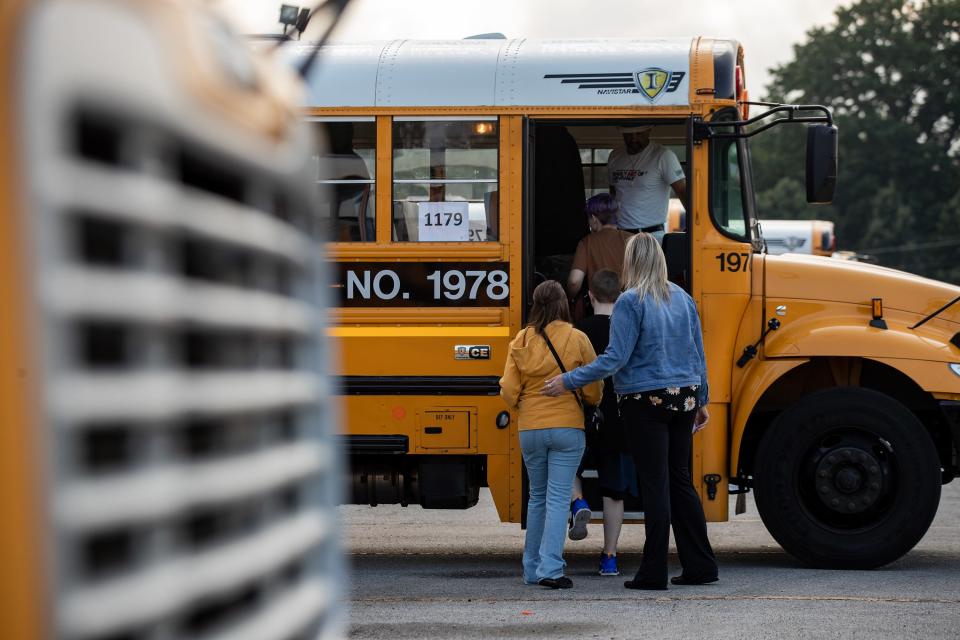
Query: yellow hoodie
pixel 530 364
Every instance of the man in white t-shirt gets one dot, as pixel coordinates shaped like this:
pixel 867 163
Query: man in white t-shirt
pixel 641 174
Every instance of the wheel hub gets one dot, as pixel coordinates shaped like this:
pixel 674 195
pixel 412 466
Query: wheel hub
pixel 848 479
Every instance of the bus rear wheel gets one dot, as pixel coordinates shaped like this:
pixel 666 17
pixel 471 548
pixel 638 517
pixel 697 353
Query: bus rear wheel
pixel 847 478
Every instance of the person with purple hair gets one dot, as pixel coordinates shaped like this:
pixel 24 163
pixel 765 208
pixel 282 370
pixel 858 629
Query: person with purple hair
pixel 603 248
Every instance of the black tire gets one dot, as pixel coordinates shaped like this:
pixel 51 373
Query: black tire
pixel 847 478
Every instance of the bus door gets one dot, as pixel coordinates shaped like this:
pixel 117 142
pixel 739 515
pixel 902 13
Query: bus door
pixel 727 293
pixel 565 165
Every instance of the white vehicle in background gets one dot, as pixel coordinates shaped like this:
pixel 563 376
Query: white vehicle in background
pixel 813 237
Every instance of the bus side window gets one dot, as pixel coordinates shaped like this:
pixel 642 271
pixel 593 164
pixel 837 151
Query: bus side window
pixel 445 180
pixel 345 179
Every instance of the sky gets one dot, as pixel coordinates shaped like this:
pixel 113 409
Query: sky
pixel 768 29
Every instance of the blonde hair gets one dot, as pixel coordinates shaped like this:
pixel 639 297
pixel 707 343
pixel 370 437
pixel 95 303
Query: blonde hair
pixel 645 268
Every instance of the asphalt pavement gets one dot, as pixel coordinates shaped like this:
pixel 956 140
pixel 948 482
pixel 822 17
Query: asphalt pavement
pixel 419 573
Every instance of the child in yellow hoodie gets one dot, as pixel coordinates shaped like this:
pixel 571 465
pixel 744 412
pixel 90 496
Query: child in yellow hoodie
pixel 551 428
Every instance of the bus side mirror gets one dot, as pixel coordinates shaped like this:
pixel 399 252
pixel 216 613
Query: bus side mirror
pixel 821 163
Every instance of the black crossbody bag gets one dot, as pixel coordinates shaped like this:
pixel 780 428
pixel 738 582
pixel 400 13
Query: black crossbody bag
pixel 592 416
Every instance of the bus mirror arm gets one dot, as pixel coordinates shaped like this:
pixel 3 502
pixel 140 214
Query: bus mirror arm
pixel 750 351
pixel 821 157
pixel 708 130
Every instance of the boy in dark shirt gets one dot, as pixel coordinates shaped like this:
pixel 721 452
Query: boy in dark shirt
pixel 617 474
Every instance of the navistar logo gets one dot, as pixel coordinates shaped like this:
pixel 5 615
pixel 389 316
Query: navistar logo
pixel 651 82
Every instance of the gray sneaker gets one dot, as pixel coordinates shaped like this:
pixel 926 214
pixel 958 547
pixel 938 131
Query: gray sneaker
pixel 580 515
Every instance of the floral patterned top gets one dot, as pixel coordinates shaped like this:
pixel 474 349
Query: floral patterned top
pixel 670 398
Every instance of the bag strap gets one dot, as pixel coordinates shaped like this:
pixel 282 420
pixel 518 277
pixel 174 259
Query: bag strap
pixel 560 362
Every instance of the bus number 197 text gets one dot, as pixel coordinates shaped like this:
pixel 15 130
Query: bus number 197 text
pixel 734 261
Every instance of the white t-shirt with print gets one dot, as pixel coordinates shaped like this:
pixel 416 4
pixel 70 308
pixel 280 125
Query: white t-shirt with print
pixel 642 184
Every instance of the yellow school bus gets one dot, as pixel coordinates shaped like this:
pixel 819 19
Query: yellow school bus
pixel 458 175
pixel 166 468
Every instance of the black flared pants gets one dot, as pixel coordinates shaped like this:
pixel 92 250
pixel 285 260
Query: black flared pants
pixel 660 441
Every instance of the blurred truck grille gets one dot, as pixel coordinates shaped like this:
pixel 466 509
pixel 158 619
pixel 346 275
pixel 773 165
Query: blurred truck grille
pixel 184 391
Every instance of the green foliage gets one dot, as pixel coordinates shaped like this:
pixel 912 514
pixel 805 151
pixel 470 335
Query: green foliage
pixel 890 72
pixel 786 200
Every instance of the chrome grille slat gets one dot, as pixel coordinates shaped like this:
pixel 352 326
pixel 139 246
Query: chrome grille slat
pixel 108 502
pixel 288 616
pixel 161 590
pixel 168 206
pixel 98 397
pixel 161 298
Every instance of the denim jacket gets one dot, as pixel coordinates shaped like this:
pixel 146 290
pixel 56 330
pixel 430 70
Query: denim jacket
pixel 652 346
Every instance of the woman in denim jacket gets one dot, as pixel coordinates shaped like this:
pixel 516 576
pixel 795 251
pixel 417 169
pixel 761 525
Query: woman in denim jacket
pixel 659 373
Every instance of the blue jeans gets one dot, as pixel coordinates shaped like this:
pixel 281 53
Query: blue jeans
pixel 552 457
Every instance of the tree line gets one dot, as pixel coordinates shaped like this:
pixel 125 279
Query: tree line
pixel 890 72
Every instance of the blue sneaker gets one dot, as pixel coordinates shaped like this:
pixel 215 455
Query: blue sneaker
pixel 579 517
pixel 608 565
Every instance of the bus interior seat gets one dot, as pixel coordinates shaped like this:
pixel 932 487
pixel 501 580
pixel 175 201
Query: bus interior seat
pixel 491 208
pixel 366 225
pixel 351 205
pixel 405 220
pixel 399 224
pixel 675 251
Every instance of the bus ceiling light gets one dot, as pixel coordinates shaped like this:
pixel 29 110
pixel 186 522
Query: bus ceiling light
pixel 483 128
pixel 955 367
pixel 877 311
